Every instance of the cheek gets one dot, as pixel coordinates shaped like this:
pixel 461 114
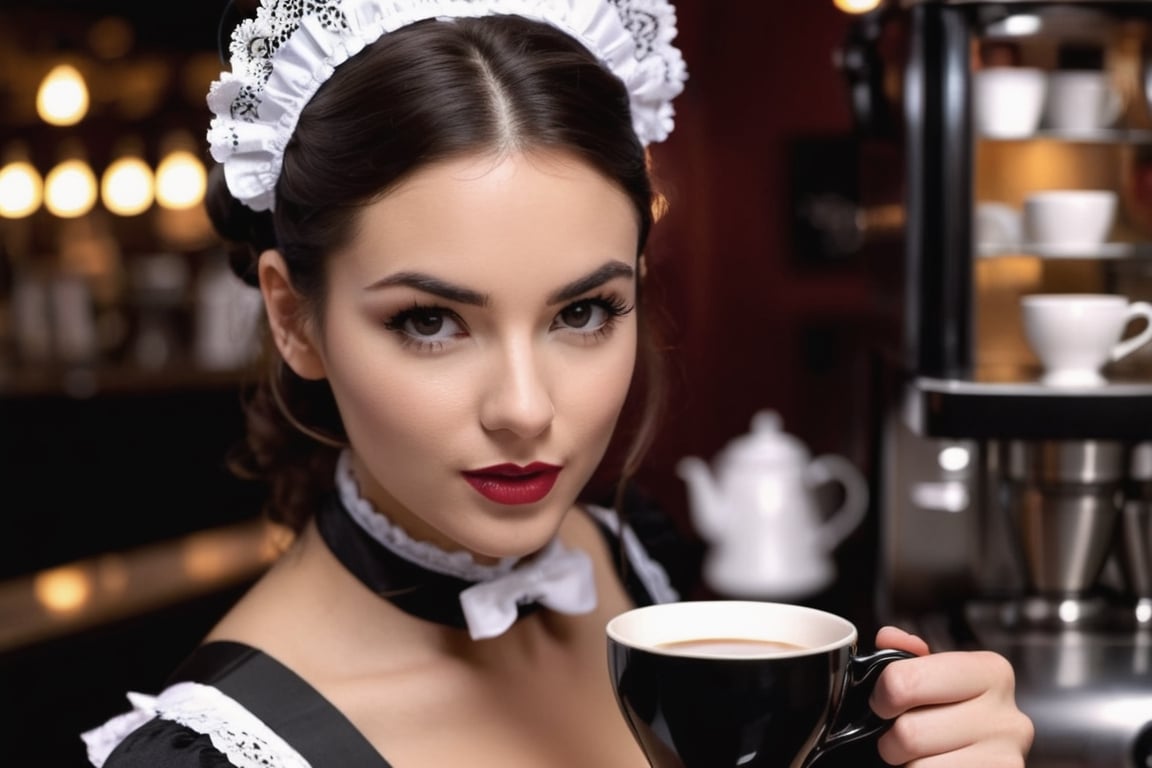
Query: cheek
pixel 384 402
pixel 597 392
pixel 396 406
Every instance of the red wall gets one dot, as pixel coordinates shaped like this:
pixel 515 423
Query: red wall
pixel 761 74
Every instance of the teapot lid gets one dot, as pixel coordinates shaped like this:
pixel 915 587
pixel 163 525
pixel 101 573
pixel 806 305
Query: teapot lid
pixel 767 442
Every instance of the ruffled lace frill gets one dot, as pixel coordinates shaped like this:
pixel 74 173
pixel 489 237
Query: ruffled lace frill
pixel 238 734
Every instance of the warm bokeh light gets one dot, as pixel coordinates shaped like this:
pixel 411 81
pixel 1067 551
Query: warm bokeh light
pixel 63 96
pixel 63 590
pixel 70 189
pixel 858 6
pixel 204 557
pixel 112 574
pixel 126 187
pixel 180 180
pixel 21 190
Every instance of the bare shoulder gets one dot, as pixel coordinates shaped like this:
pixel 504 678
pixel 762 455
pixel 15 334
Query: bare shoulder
pixel 313 615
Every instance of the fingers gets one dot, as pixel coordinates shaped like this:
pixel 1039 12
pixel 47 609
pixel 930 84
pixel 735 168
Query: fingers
pixel 957 736
pixel 942 678
pixel 894 637
pixel 951 709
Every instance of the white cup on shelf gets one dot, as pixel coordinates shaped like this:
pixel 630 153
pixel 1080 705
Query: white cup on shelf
pixel 1069 219
pixel 1076 334
pixel 1008 102
pixel 1081 101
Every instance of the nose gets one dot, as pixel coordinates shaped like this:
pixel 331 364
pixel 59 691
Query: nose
pixel 517 398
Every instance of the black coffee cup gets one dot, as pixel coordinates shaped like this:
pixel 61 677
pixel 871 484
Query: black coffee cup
pixel 741 684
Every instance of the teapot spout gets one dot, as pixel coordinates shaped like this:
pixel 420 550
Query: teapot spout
pixel 704 502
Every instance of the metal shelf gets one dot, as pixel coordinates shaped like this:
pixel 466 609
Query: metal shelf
pixel 1101 136
pixel 1028 410
pixel 1104 251
pixel 83 382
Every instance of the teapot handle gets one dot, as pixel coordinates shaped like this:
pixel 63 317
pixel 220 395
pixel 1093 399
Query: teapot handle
pixel 829 468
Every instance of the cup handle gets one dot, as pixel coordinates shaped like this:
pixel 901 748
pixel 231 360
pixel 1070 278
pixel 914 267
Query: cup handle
pixel 1126 347
pixel 843 521
pixel 854 719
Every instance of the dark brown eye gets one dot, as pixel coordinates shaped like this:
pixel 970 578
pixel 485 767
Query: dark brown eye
pixel 591 317
pixel 427 326
pixel 426 323
pixel 577 315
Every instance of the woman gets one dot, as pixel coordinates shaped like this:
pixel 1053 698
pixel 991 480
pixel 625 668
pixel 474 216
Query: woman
pixel 447 203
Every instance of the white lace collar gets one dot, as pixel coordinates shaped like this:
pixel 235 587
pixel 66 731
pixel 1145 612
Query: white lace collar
pixel 460 564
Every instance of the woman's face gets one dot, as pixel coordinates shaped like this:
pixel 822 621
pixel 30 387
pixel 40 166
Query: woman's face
pixel 479 336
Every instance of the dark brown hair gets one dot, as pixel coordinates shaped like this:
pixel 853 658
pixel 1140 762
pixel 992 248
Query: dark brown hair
pixel 428 92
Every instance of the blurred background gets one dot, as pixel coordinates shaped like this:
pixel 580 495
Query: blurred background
pixel 124 343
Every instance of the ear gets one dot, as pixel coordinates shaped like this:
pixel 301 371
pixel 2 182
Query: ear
pixel 288 318
pixel 642 263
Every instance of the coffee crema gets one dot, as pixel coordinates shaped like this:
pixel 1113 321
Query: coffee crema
pixel 729 646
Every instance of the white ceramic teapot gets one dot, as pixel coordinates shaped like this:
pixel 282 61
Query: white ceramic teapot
pixel 768 536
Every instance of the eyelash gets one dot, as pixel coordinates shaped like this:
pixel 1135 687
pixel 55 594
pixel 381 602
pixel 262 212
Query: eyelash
pixel 613 306
pixel 398 321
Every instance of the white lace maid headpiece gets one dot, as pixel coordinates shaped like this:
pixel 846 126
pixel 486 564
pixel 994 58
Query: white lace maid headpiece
pixel 281 58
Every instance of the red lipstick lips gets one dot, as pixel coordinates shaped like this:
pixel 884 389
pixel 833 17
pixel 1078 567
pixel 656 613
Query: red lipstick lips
pixel 513 484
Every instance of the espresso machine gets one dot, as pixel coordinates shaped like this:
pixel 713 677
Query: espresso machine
pixel 1015 515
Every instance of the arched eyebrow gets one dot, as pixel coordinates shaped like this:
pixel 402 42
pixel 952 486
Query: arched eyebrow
pixel 433 285
pixel 582 285
pixel 457 293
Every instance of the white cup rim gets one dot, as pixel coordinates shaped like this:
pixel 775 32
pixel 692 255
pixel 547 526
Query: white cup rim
pixel 817 631
pixel 1022 71
pixel 1071 194
pixel 1097 299
pixel 1095 74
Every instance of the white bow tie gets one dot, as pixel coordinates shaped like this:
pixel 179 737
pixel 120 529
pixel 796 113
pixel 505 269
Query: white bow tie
pixel 558 578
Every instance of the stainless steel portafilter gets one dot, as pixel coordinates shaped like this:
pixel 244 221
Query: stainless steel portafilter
pixel 1068 499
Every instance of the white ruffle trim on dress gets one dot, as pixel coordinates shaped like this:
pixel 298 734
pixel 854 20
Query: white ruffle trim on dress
pixel 651 574
pixel 238 734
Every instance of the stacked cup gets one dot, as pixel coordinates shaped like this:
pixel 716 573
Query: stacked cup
pixel 1008 102
pixel 1068 222
pixel 1081 101
pixel 1013 102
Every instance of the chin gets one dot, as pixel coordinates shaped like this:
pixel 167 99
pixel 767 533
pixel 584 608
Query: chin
pixel 518 536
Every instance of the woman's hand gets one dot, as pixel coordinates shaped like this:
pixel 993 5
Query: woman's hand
pixel 951 710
